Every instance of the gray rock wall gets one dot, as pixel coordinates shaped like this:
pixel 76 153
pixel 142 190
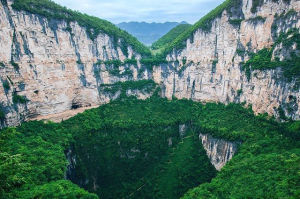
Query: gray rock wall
pixel 219 151
pixel 212 72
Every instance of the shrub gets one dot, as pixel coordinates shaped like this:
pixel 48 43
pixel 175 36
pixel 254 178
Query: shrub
pixel 257 19
pixel 214 65
pixel 130 61
pixel 2 114
pixel 15 65
pixel 79 62
pixel 154 61
pixel 235 22
pixel 141 85
pixel 6 85
pixel 239 92
pixel 114 62
pixel 18 99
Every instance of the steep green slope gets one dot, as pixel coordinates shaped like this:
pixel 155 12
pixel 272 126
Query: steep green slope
pixel 204 23
pixel 93 25
pixel 170 36
pixel 122 151
pixel 147 33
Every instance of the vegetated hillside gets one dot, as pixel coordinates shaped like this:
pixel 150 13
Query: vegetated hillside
pixel 148 33
pixel 122 150
pixel 170 36
pixel 93 25
pixel 204 23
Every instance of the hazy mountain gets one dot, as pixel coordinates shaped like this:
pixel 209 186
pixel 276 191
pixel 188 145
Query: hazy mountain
pixel 148 33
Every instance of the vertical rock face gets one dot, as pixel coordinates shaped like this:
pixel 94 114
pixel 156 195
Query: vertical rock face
pixel 219 151
pixel 52 64
pixel 208 69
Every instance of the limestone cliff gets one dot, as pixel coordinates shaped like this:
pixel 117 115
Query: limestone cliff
pixel 219 151
pixel 208 68
pixel 50 66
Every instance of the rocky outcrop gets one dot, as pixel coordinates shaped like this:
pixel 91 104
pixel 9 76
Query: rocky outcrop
pixel 53 66
pixel 208 69
pixel 219 151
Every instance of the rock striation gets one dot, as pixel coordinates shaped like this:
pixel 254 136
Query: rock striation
pixel 219 151
pixel 208 68
pixel 52 64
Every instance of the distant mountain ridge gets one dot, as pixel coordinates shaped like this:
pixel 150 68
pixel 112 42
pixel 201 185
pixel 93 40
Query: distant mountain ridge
pixel 148 33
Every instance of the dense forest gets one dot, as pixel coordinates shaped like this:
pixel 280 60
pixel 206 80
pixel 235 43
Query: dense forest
pixel 131 148
pixel 170 36
pixel 122 151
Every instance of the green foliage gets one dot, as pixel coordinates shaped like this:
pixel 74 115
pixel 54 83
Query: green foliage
pixel 99 62
pixel 235 22
pixel 130 61
pixel 113 66
pixel 79 62
pixel 2 64
pixel 6 85
pixel 2 114
pixel 214 65
pixel 33 164
pixel 182 69
pixel 286 15
pixel 18 99
pixel 257 19
pixel 184 60
pixel 153 61
pixel 115 63
pixel 262 60
pixel 256 4
pixel 170 36
pixel 141 85
pixel 281 113
pixel 239 92
pixel 291 12
pixel 174 177
pixel 255 176
pixel 240 52
pixel 94 26
pixel 60 189
pixel 204 24
pixel 123 149
pixel 15 65
pixel 12 170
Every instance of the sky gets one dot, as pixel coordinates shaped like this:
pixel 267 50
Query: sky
pixel 117 11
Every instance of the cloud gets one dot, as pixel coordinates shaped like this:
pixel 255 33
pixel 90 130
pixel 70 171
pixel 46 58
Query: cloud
pixel 118 11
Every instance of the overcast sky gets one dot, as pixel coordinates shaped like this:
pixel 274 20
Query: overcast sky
pixel 117 11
